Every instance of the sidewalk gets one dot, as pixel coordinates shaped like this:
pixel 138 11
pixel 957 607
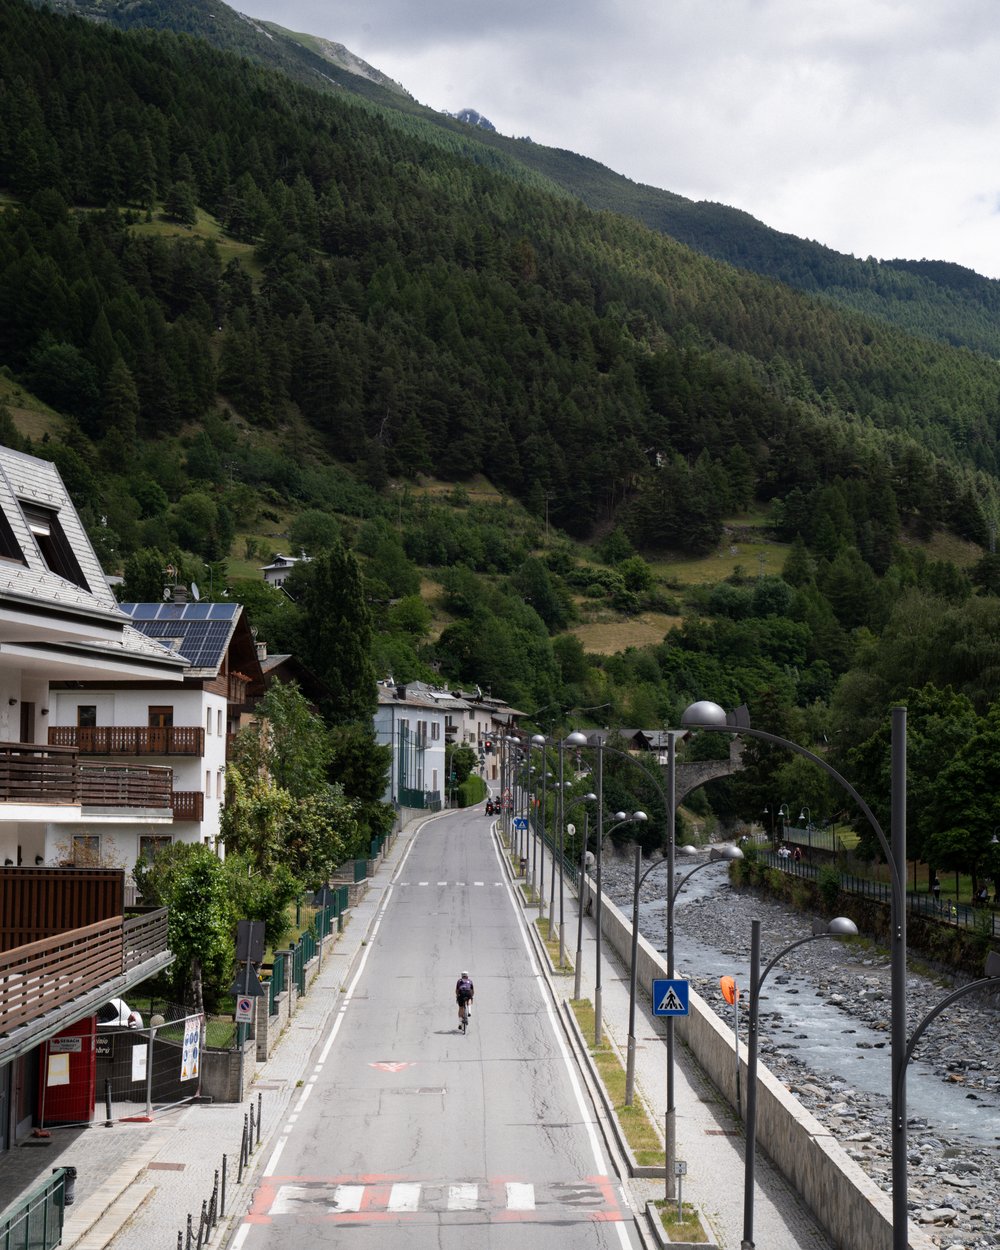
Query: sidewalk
pixel 709 1134
pixel 145 1179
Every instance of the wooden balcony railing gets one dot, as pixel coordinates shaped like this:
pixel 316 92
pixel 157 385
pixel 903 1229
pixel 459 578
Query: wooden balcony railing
pixel 55 776
pixel 43 975
pixel 188 805
pixel 130 739
pixel 118 785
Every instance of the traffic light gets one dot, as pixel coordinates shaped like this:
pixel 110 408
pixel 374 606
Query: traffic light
pixel 489 745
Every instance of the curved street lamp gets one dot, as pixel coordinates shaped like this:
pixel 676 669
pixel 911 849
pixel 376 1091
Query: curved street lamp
pixel 669 800
pixel 717 855
pixel 840 926
pixel 710 716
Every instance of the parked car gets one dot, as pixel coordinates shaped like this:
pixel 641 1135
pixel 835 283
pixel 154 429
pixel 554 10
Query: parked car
pixel 117 1014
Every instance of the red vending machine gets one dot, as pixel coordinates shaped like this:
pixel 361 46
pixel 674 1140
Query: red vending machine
pixel 67 1075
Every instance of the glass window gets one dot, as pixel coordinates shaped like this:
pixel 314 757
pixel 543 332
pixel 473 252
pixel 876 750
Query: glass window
pixel 86 715
pixel 86 850
pixel 150 845
pixel 160 717
pixel 208 721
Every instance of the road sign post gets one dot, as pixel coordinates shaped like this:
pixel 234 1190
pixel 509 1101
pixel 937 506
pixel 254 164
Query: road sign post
pixel 670 997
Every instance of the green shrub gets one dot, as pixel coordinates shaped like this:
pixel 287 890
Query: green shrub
pixel 828 884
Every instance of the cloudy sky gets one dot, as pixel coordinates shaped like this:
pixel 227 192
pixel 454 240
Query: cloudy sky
pixel 870 125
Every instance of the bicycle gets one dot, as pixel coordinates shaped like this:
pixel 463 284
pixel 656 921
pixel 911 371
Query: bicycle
pixel 464 1013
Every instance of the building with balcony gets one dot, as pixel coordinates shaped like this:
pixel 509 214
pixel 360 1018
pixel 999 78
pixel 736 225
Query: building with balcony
pixel 66 948
pixel 60 626
pixel 419 721
pixel 183 728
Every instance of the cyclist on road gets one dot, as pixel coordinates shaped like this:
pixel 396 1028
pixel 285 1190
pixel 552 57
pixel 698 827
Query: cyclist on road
pixel 465 992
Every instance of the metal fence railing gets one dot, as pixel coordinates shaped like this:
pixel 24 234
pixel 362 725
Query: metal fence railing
pixel 984 920
pixel 35 1222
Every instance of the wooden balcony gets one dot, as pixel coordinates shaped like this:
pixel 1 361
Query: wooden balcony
pixel 188 805
pixel 67 960
pixel 55 776
pixel 130 739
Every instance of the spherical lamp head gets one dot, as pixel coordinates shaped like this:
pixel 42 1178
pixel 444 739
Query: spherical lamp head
pixel 704 714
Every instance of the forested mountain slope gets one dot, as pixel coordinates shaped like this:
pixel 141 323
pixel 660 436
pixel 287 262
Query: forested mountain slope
pixel 942 301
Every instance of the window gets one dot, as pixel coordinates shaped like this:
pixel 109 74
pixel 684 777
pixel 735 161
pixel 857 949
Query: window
pixel 160 717
pixel 220 785
pixel 208 721
pixel 10 548
pixel 86 715
pixel 53 545
pixel 434 780
pixel 218 718
pixel 208 784
pixel 435 731
pixel 86 850
pixel 150 845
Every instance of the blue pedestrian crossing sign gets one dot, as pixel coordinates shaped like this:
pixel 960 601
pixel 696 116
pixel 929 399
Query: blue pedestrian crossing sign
pixel 670 998
pixel 520 822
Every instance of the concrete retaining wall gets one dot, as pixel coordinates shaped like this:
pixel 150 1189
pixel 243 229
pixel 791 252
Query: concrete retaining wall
pixel 851 1207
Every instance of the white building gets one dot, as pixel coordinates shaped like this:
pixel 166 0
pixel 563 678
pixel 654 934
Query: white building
pixel 61 626
pixel 419 721
pixel 279 568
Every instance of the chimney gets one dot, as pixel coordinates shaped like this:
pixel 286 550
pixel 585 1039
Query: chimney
pixel 180 593
pixel 261 651
pixel 400 692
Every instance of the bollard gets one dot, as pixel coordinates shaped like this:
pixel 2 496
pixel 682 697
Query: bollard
pixel 260 1099
pixel 250 1138
pixel 190 1235
pixel 222 1199
pixel 180 1240
pixel 109 1120
pixel 201 1223
pixel 243 1153
pixel 69 1185
pixel 213 1206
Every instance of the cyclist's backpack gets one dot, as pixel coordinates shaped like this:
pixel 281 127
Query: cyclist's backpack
pixel 464 989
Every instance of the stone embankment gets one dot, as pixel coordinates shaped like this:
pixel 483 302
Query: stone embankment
pixel 954 1182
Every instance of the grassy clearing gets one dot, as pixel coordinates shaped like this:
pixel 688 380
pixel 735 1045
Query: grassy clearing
pixel 683 1227
pixel 550 939
pixel 205 227
pixel 635 1123
pixel 609 637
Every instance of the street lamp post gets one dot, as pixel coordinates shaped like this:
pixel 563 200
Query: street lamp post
pixel 807 816
pixel 709 716
pixel 840 926
pixel 539 740
pixel 718 855
pixel 669 800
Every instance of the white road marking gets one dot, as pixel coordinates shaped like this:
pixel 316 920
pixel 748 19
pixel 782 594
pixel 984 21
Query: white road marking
pixel 463 1197
pixel 272 1163
pixel 520 1197
pixel 347 1198
pixel 286 1196
pixel 404 1197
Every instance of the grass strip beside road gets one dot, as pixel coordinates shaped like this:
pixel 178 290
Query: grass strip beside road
pixel 636 1125
pixel 551 944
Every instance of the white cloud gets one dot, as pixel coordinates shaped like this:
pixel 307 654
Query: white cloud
pixel 869 125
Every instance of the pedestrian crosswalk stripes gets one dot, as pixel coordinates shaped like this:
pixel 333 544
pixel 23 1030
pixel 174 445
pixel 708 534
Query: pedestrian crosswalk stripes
pixel 364 1198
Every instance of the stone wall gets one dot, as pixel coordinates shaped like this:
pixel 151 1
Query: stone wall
pixel 854 1211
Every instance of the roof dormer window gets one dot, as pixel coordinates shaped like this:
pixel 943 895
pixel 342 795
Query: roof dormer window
pixel 53 545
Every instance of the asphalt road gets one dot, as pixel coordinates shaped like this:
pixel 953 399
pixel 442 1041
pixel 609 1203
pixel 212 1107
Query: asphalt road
pixel 406 1125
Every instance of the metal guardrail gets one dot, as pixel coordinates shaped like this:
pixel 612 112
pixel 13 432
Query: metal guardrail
pixel 35 1222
